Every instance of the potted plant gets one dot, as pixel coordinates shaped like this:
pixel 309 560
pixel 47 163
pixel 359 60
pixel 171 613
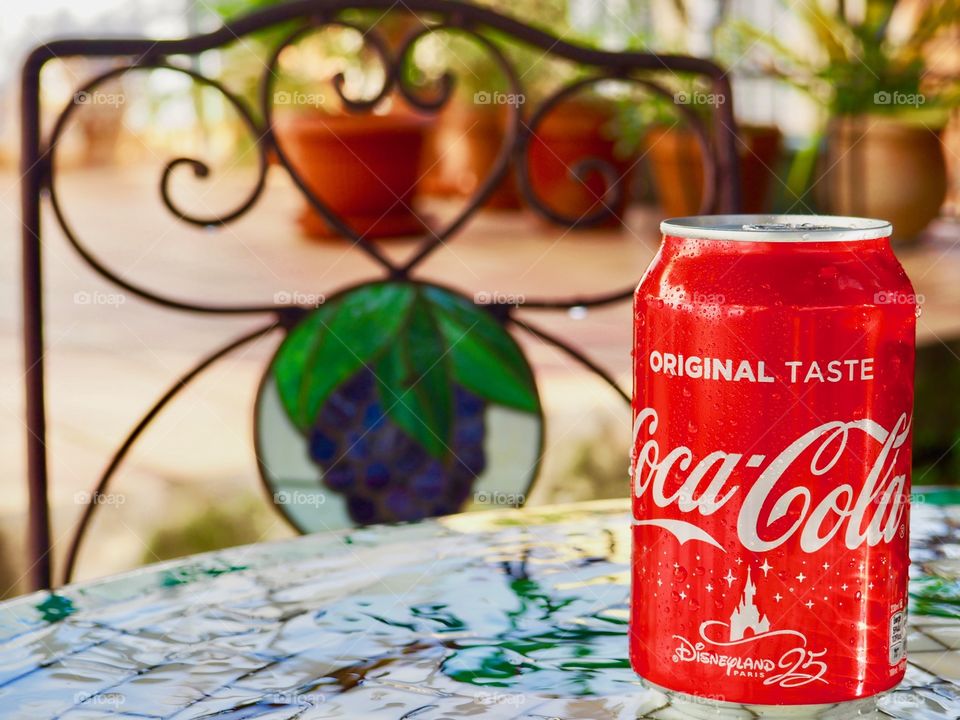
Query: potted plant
pixel 882 154
pixel 671 146
pixel 579 129
pixel 364 166
pixel 467 138
pixel 674 152
pixel 464 140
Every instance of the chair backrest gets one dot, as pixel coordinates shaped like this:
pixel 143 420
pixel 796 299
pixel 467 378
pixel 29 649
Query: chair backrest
pixel 382 394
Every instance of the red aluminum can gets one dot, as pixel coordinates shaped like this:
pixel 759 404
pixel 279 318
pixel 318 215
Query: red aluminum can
pixel 773 396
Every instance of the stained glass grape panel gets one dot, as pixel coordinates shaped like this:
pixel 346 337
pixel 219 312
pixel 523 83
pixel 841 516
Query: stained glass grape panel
pixel 396 401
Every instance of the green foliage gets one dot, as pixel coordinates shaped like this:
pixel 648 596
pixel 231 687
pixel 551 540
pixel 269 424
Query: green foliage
pixel 11 572
pixel 415 383
pixel 335 341
pixel 473 66
pixel 483 357
pixel 321 54
pixel 936 415
pixel 211 525
pixel 858 67
pixel 594 468
pixel 935 596
pixel 638 111
pixel 419 340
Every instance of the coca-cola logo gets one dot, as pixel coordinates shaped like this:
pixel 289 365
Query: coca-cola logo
pixel 868 513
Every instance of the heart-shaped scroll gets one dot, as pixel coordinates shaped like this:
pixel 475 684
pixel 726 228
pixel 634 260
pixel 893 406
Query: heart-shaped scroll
pixel 381 150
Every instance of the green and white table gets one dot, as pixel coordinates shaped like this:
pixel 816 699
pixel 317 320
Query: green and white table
pixel 516 614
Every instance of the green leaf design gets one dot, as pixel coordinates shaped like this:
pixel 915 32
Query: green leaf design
pixel 419 340
pixel 334 342
pixel 415 382
pixel 485 358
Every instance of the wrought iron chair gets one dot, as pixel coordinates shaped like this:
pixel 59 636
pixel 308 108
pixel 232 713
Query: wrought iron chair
pixel 385 390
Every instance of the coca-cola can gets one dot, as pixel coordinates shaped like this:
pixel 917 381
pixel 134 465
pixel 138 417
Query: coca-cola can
pixel 773 396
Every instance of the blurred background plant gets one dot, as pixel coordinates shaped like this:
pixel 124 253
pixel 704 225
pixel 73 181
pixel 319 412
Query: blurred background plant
pixel 859 64
pixel 210 524
pixel 877 151
pixel 307 67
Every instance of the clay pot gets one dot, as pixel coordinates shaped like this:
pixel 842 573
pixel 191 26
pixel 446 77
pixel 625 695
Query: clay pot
pixel 884 167
pixel 570 133
pixel 364 167
pixel 676 162
pixel 461 149
pixel 759 163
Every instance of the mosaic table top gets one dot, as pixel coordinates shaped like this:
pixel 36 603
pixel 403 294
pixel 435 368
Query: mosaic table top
pixel 518 614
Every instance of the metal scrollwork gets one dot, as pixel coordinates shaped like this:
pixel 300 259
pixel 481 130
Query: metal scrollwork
pixel 200 168
pixel 446 82
pixel 370 38
pixel 502 162
pixel 39 158
pixel 614 188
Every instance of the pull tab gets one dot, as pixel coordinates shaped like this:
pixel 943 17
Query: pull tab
pixel 785 227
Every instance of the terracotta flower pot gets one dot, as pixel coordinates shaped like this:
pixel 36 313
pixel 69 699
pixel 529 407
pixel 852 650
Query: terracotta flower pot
pixel 462 146
pixel 759 162
pixel 364 167
pixel 677 165
pixel 883 167
pixel 570 133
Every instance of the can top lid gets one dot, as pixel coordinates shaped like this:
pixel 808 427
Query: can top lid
pixel 777 228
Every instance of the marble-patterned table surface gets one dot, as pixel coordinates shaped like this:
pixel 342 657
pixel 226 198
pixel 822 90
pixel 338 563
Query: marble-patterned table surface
pixel 510 615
